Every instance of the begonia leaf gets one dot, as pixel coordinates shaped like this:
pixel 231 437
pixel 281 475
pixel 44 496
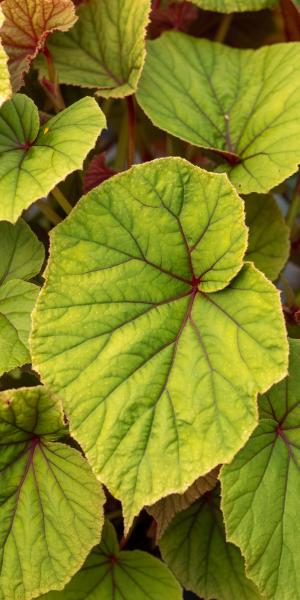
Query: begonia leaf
pixel 230 6
pixel 5 85
pixel 106 48
pixel 111 574
pixel 253 121
pixel 268 245
pixel 50 502
pixel 26 27
pixel 165 509
pixel 140 292
pixel 195 548
pixel 34 159
pixel 21 257
pixel 261 488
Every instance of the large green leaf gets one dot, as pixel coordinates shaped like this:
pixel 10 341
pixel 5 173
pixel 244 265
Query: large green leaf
pixel 165 509
pixel 261 491
pixel 110 574
pixel 268 245
pixel 195 548
pixel 34 159
pixel 229 6
pixel 21 257
pixel 50 502
pixel 253 119
pixel 106 48
pixel 143 330
pixel 26 28
pixel 5 86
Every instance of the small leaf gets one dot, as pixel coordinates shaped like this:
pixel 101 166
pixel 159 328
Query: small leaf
pixel 165 509
pixel 139 295
pixel 261 488
pixel 50 503
pixel 120 575
pixel 253 122
pixel 5 85
pixel 33 158
pixel 26 27
pixel 21 257
pixel 268 245
pixel 21 253
pixel 229 6
pixel 195 548
pixel 96 173
pixel 106 49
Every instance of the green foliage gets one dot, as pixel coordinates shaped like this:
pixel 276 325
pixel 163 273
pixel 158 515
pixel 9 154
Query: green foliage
pixel 33 158
pixel 196 550
pixel 253 121
pixel 268 243
pixel 143 326
pixel 110 574
pixel 50 503
pixel 261 489
pixel 106 49
pixel 21 256
pixel 229 6
pixel 152 257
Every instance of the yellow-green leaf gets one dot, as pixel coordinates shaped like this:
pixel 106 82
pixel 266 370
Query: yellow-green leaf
pixel 251 118
pixel 106 48
pixel 50 502
pixel 147 327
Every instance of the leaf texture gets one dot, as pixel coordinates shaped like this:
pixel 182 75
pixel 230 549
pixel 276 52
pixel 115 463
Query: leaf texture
pixel 106 48
pixel 21 257
pixel 50 502
pixel 269 243
pixel 195 548
pixel 144 283
pixel 26 28
pixel 261 487
pixel 111 574
pixel 253 122
pixel 33 158
pixel 5 85
pixel 229 6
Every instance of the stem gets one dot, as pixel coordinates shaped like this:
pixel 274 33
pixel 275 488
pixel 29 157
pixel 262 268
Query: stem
pixel 223 28
pixel 56 95
pixel 294 205
pixel 48 212
pixel 131 130
pixel 62 200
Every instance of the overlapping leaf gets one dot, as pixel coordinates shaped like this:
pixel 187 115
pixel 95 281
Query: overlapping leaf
pixel 21 257
pixel 50 502
pixel 110 574
pixel 229 6
pixel 26 27
pixel 34 159
pixel 106 48
pixel 195 548
pixel 268 245
pixel 149 336
pixel 164 510
pixel 253 121
pixel 5 86
pixel 261 491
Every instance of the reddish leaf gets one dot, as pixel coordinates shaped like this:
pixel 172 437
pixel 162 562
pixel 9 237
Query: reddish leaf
pixel 26 27
pixel 291 16
pixel 96 173
pixel 175 16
